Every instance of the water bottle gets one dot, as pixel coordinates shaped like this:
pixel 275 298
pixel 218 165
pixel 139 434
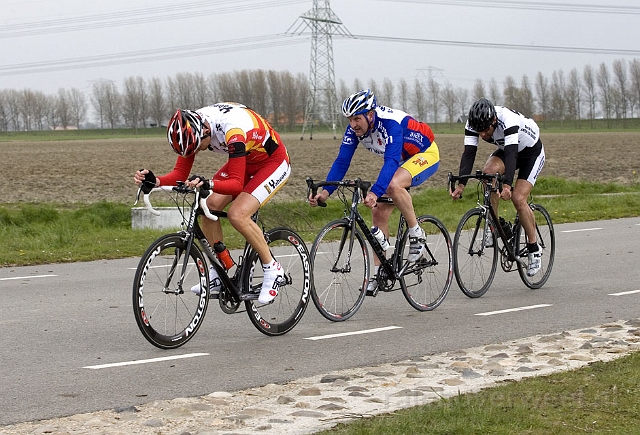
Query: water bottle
pixel 379 235
pixel 506 227
pixel 223 255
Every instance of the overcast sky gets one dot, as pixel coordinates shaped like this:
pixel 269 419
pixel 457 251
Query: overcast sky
pixel 50 44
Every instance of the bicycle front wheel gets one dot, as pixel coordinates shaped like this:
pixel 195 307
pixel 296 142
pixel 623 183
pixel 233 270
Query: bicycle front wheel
pixel 546 238
pixel 169 314
pixel 340 270
pixel 426 282
pixel 474 263
pixel 283 313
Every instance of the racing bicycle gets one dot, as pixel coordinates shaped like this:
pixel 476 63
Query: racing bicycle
pixel 340 258
pixel 475 243
pixel 168 313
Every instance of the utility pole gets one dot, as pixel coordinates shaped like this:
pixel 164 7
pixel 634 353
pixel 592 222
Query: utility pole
pixel 322 102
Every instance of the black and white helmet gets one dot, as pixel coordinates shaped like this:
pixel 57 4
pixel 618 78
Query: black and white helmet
pixel 359 103
pixel 481 114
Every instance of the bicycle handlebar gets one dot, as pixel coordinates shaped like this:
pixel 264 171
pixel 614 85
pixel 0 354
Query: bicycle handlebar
pixel 357 183
pixel 479 175
pixel 180 188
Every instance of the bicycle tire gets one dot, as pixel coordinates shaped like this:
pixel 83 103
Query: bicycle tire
pixel 474 265
pixel 426 283
pixel 167 316
pixel 285 311
pixel 546 238
pixel 340 276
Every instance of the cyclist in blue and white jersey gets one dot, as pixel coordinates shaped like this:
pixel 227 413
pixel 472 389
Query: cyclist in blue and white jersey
pixel 410 156
pixel 519 147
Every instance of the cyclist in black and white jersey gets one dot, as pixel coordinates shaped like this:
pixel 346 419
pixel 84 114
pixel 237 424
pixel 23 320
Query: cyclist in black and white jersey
pixel 519 147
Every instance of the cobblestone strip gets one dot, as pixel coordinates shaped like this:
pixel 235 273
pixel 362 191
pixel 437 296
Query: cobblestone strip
pixel 311 404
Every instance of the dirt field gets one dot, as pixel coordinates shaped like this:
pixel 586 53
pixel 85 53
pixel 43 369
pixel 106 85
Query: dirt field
pixel 91 171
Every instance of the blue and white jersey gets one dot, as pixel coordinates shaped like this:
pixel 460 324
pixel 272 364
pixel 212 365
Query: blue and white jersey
pixel 395 135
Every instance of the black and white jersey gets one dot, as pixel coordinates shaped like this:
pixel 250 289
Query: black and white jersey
pixel 513 129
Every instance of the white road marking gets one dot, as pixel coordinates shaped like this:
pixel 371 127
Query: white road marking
pixel 345 334
pixel 584 229
pixel 511 310
pixel 26 277
pixel 624 293
pixel 145 361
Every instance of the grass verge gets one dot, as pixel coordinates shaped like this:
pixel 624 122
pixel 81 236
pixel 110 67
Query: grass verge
pixel 598 399
pixel 49 233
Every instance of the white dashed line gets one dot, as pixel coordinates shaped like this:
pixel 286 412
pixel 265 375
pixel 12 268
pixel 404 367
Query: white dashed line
pixel 631 292
pixel 145 361
pixel 345 334
pixel 26 277
pixel 511 310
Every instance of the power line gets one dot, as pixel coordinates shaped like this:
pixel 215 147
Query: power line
pixel 565 49
pixel 266 41
pixel 136 16
pixel 192 50
pixel 559 7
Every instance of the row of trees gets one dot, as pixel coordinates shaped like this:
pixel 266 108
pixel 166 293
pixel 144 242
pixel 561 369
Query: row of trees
pixel 605 91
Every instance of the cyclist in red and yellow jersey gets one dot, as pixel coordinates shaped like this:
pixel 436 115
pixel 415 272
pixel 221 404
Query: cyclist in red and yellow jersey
pixel 258 166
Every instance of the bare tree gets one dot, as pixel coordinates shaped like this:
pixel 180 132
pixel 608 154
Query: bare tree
pixel 77 106
pixel 245 90
pixel 479 90
pixel 4 116
pixel 201 94
pixel 260 87
pixel 621 85
pixel 527 101
pixel 387 93
pixel 53 121
pixel 135 102
pixel 557 91
pixel 449 102
pixel 462 101
pixel 403 95
pixel 634 70
pixel 275 85
pixel 510 92
pixel 434 90
pixel 604 91
pixel 112 104
pixel 26 102
pixel 294 92
pixel 494 92
pixel 419 101
pixel 542 93
pixel 227 88
pixel 573 96
pixel 97 99
pixel 589 86
pixel 157 104
pixel 63 108
pixel 374 88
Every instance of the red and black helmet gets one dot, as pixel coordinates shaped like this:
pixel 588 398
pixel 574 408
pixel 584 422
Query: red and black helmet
pixel 184 132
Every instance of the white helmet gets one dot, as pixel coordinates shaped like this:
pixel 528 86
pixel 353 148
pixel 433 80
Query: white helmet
pixel 359 103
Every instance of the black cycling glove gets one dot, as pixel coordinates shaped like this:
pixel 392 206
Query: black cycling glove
pixel 149 182
pixel 206 184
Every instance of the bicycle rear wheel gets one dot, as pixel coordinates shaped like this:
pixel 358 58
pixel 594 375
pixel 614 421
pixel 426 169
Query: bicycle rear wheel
pixel 546 238
pixel 426 282
pixel 473 263
pixel 285 311
pixel 340 270
pixel 168 315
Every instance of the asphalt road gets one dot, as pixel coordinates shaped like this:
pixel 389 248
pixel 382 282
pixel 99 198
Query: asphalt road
pixel 70 343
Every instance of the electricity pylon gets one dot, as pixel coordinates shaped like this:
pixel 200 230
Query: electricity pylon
pixel 322 102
